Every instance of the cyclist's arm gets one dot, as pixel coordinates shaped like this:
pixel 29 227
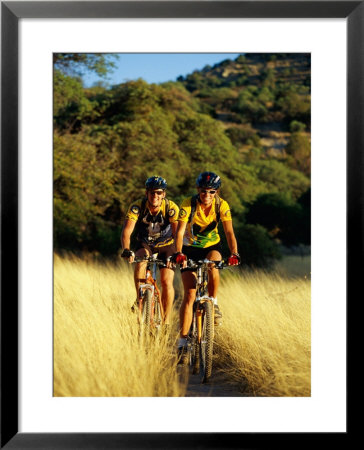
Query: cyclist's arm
pixel 179 235
pixel 128 229
pixel 174 226
pixel 230 236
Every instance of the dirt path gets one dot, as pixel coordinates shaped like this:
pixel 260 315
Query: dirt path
pixel 218 386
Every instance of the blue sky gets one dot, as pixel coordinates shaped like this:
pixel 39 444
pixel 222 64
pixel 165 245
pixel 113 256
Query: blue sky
pixel 158 67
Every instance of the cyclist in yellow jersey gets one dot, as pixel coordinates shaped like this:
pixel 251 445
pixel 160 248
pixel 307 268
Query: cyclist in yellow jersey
pixel 198 238
pixel 154 218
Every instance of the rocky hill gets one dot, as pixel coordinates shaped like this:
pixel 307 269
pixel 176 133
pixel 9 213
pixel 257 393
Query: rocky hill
pixel 258 97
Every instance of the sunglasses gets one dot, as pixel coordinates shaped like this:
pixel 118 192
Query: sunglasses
pixel 205 191
pixel 156 192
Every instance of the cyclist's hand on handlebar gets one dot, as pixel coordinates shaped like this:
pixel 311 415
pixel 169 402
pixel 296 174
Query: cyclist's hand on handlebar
pixel 128 254
pixel 234 259
pixel 179 258
pixel 169 263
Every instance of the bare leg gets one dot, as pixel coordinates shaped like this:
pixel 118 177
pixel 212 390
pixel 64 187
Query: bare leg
pixel 167 276
pixel 186 311
pixel 140 269
pixel 214 275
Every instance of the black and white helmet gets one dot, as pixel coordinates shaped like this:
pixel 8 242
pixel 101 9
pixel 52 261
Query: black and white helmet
pixel 208 180
pixel 156 183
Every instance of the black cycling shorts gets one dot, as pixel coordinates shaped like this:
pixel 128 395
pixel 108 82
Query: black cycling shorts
pixel 198 254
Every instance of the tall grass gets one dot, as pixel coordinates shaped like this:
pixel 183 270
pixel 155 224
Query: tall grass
pixel 263 345
pixel 97 348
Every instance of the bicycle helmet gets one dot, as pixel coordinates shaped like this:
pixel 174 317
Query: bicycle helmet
pixel 156 182
pixel 208 180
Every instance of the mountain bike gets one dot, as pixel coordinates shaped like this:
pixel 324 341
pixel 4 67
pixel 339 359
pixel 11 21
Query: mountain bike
pixel 150 307
pixel 201 335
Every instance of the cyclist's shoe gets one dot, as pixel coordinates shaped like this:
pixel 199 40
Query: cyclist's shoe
pixel 217 315
pixel 135 307
pixel 182 355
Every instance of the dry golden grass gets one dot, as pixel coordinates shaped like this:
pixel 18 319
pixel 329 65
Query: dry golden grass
pixel 263 344
pixel 265 341
pixel 97 350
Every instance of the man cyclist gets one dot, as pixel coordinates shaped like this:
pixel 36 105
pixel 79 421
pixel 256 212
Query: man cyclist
pixel 197 238
pixel 154 218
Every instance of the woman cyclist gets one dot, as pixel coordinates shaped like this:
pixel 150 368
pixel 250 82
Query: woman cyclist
pixel 197 238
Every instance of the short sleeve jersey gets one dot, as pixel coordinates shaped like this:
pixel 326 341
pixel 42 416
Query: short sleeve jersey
pixel 202 231
pixel 154 229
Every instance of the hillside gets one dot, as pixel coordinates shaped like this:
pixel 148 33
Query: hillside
pixel 259 94
pixel 248 120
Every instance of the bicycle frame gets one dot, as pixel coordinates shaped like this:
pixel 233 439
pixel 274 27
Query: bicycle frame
pixel 151 285
pixel 202 327
pixel 201 297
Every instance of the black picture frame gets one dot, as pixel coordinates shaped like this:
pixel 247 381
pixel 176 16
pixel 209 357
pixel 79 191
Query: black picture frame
pixel 11 12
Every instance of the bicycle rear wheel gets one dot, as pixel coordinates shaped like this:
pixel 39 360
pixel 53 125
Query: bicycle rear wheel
pixel 207 342
pixel 195 357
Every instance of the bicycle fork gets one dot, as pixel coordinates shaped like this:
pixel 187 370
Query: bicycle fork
pixel 202 281
pixel 200 315
pixel 153 288
pixel 143 287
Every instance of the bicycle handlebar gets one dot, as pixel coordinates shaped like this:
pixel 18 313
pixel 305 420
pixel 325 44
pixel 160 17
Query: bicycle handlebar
pixel 150 259
pixel 190 262
pixel 218 264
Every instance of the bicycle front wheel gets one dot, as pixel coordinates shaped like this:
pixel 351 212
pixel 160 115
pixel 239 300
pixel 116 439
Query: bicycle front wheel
pixel 157 316
pixel 147 310
pixel 195 348
pixel 207 342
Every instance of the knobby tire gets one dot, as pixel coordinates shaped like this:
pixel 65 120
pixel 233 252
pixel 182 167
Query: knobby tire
pixel 147 311
pixel 195 349
pixel 207 342
pixel 157 316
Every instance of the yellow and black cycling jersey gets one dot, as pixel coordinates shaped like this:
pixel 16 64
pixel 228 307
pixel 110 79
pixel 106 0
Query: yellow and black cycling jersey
pixel 201 230
pixel 155 230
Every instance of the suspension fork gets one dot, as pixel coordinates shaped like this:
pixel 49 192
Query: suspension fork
pixel 145 284
pixel 151 284
pixel 202 280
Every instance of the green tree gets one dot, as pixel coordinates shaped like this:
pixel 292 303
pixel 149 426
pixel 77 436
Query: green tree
pixel 71 107
pixel 277 177
pixel 85 186
pixel 295 104
pixel 250 106
pixel 244 134
pixel 299 152
pixel 256 247
pixel 76 64
pixel 296 127
pixel 241 59
pixel 280 215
